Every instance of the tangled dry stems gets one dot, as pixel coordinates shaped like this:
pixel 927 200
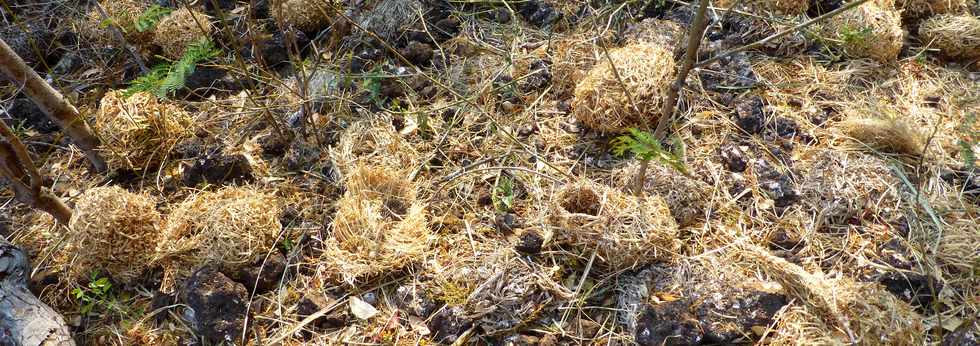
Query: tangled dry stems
pixel 956 36
pixel 138 132
pixel 112 231
pixel 872 30
pixel 631 96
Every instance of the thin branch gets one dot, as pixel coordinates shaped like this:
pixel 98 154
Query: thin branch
pixel 119 37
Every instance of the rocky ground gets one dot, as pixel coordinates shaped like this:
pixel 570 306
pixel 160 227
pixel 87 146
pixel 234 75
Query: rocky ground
pixel 443 172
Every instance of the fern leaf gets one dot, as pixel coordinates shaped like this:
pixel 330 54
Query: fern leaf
pixel 149 19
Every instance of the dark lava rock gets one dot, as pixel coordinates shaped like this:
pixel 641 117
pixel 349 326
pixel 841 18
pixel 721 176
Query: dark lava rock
pixel 529 242
pixel 264 275
pixel 539 13
pixel 448 324
pixel 749 114
pixel 218 305
pixel 785 128
pixel 446 28
pixel 967 334
pixel 273 145
pixel 754 308
pixel 415 300
pixel 24 112
pixel 733 158
pixel 539 76
pixel 911 288
pixel 162 300
pixel 417 53
pixel 779 187
pixel 207 81
pixel 313 303
pixel 501 15
pixel 819 7
pixel 34 42
pixel 218 169
pixel 69 62
pixel 219 8
pixel 668 323
pixel 272 48
pixel 364 60
pixel 506 223
pixel 729 73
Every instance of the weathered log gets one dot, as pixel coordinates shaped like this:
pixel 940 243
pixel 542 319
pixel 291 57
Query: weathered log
pixel 25 320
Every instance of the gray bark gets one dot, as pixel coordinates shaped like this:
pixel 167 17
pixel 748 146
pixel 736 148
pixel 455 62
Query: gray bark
pixel 25 320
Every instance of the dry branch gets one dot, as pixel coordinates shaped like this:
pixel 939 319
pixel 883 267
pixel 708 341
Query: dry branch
pixel 16 166
pixel 52 103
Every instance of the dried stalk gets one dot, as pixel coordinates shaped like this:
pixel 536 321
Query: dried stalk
pixel 16 166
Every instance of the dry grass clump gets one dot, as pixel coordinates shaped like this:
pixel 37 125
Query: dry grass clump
pixel 389 18
pixel 180 29
pixel 496 288
pixel 872 30
pixel 138 132
pixel 925 8
pixel 304 15
pixel 379 225
pixel 660 32
pixel 687 198
pixel 571 58
pixel 635 99
pixel 838 185
pixel 956 36
pixel 124 14
pixel 960 246
pixel 777 6
pixel 886 134
pixel 373 141
pixel 229 228
pixel 113 231
pixel 838 309
pixel 624 230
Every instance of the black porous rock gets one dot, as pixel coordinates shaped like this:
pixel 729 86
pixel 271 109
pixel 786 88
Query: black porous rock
pixel 218 305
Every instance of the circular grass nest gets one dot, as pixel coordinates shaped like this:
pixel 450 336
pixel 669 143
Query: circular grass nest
pixel 124 14
pixel 784 7
pixel 927 8
pixel 138 132
pixel 872 30
pixel 305 15
pixel 229 228
pixel 372 141
pixel 626 231
pixel 113 231
pixel 180 29
pixel 379 226
pixel 956 36
pixel 609 103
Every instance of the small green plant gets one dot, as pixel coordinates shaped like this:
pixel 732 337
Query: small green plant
pixel 149 19
pixel 852 35
pixel 164 79
pixel 503 194
pixel 646 147
pixel 968 140
pixel 97 293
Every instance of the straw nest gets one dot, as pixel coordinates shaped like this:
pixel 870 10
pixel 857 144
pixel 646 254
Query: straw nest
pixel 838 185
pixel 380 225
pixel 786 7
pixel 872 30
pixel 635 98
pixel 926 8
pixel 389 18
pixel 124 14
pixel 837 309
pixel 180 29
pixel 886 134
pixel 496 288
pixel 113 231
pixel 229 228
pixel 658 32
pixel 956 36
pixel 624 230
pixel 138 132
pixel 571 58
pixel 373 141
pixel 304 15
pixel 686 197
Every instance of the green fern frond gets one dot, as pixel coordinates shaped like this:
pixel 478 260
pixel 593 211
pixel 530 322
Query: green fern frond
pixel 150 82
pixel 149 19
pixel 165 79
pixel 646 147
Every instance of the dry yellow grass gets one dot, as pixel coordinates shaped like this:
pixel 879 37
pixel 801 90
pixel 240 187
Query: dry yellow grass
pixel 872 30
pixel 379 225
pixel 229 228
pixel 139 132
pixel 635 98
pixel 305 15
pixel 926 8
pixel 180 29
pixel 890 135
pixel 775 6
pixel 375 142
pixel 625 231
pixel 123 14
pixel 112 231
pixel 956 36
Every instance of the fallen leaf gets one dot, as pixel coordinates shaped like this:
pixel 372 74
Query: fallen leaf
pixel 362 309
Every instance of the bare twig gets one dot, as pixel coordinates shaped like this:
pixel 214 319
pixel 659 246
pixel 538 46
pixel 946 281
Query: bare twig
pixel 17 167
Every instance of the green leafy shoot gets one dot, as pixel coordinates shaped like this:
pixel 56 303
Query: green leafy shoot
pixel 96 293
pixel 970 138
pixel 149 19
pixel 646 147
pixel 165 79
pixel 503 194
